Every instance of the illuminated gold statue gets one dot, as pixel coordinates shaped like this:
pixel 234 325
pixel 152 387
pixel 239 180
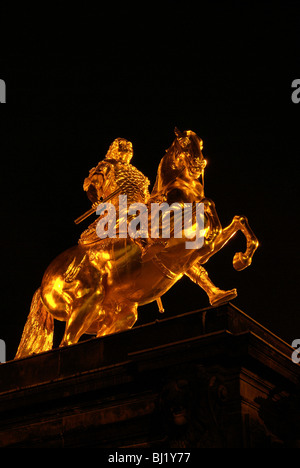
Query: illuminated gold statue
pixel 115 175
pixel 97 286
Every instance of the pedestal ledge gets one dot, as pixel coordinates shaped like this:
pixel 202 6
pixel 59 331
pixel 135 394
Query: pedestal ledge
pixel 208 378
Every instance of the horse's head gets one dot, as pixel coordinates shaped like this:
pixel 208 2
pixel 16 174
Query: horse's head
pixel 187 148
pixel 183 159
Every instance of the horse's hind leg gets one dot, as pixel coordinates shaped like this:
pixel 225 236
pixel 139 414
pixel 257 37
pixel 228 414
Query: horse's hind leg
pixel 84 312
pixel 120 319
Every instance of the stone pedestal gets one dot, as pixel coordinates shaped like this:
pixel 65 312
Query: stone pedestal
pixel 208 378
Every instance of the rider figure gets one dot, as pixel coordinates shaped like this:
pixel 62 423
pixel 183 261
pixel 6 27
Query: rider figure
pixel 115 171
pixel 112 173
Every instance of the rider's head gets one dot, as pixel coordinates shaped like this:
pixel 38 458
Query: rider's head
pixel 121 150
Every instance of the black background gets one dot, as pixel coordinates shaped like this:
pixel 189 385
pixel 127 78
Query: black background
pixel 78 78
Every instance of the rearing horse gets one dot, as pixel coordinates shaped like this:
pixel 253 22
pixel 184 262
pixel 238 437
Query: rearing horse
pixel 97 289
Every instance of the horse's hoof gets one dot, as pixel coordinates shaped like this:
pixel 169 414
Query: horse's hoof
pixel 240 261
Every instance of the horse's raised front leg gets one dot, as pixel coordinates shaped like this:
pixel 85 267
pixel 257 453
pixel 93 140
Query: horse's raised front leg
pixel 240 260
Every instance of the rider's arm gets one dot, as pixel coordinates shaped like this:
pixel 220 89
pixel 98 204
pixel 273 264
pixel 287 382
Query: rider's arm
pixel 94 183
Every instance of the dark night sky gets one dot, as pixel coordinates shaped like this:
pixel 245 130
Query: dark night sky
pixel 78 79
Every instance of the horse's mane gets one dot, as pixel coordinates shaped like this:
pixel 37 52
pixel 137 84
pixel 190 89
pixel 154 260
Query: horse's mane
pixel 167 168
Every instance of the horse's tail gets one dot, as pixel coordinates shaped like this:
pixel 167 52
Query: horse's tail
pixel 38 331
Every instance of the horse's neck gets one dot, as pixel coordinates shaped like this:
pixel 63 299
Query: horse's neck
pixel 171 183
pixel 182 190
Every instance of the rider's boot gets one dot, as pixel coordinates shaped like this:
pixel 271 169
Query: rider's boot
pixel 216 296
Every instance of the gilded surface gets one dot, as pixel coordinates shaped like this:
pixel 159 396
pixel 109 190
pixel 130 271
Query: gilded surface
pixel 97 286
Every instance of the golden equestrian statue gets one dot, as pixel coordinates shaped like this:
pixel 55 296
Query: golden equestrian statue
pixel 97 286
